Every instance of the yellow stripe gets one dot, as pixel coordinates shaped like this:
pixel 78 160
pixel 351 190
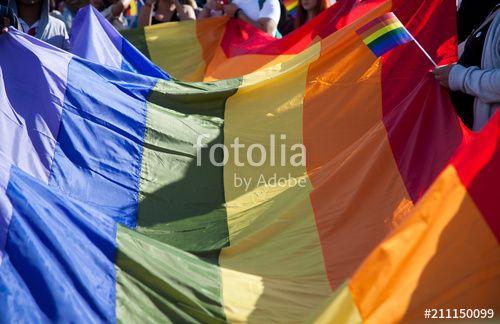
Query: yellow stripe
pixel 382 31
pixel 275 255
pixel 339 308
pixel 181 57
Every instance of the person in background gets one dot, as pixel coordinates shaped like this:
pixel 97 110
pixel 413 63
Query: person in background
pixel 308 9
pixel 262 14
pixel 112 11
pixel 475 78
pixel 470 14
pixel 7 17
pixel 212 8
pixel 159 11
pixel 287 23
pixel 34 19
pixel 68 9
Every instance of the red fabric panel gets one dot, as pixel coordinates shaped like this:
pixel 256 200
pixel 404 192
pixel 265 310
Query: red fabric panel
pixel 478 164
pixel 241 38
pixel 423 128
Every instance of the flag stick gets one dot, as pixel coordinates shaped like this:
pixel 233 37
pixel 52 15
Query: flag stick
pixel 424 51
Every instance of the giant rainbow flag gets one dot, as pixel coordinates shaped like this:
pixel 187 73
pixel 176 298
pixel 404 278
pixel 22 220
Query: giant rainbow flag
pixel 222 48
pixel 118 204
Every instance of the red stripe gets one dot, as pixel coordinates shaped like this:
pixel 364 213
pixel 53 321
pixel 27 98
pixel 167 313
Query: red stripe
pixel 376 28
pixel 422 126
pixel 477 163
pixel 240 38
pixel 382 21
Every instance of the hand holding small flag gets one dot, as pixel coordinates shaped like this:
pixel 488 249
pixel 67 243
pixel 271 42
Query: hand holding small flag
pixel 385 33
pixel 442 74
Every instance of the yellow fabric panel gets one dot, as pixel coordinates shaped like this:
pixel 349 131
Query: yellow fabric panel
pixel 270 227
pixel 339 308
pixel 419 267
pixel 182 57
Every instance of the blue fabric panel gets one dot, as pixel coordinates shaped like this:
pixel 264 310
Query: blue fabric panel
pixel 99 151
pixel 59 260
pixel 135 61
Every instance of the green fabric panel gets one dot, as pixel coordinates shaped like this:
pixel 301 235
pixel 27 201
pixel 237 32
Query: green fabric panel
pixel 137 37
pixel 183 204
pixel 157 283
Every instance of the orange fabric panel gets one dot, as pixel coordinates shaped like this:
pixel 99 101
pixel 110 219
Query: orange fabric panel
pixel 444 256
pixel 358 193
pixel 209 33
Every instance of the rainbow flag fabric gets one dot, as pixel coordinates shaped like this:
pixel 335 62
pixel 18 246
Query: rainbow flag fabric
pixel 122 198
pixel 412 266
pixel 384 33
pixel 94 38
pixel 222 48
pixel 291 7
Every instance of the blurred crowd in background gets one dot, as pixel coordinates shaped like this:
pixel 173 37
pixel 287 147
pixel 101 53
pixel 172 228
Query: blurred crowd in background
pixel 474 79
pixel 275 17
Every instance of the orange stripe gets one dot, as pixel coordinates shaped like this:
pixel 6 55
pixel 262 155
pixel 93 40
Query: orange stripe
pixel 209 33
pixel 349 160
pixel 445 256
pixel 378 26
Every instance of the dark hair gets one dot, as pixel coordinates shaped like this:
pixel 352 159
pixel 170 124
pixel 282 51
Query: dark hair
pixel 302 13
pixel 6 12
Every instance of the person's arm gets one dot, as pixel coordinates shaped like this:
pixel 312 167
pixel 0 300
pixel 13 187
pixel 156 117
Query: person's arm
pixel 484 84
pixel 185 12
pixel 265 24
pixel 145 14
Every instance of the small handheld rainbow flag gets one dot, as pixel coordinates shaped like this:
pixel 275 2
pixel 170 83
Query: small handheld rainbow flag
pixel 385 33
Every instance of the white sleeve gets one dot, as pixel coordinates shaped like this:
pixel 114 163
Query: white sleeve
pixel 271 9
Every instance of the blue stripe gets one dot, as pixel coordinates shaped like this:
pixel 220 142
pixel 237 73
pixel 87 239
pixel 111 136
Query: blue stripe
pixel 135 61
pixel 48 275
pixel 380 48
pixel 99 151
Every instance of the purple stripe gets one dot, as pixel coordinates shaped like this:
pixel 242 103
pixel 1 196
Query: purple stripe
pixel 95 39
pixel 379 48
pixel 32 87
pixel 5 206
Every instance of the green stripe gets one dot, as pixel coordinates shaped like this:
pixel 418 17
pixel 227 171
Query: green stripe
pixel 391 34
pixel 183 204
pixel 157 283
pixel 385 29
pixel 137 38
